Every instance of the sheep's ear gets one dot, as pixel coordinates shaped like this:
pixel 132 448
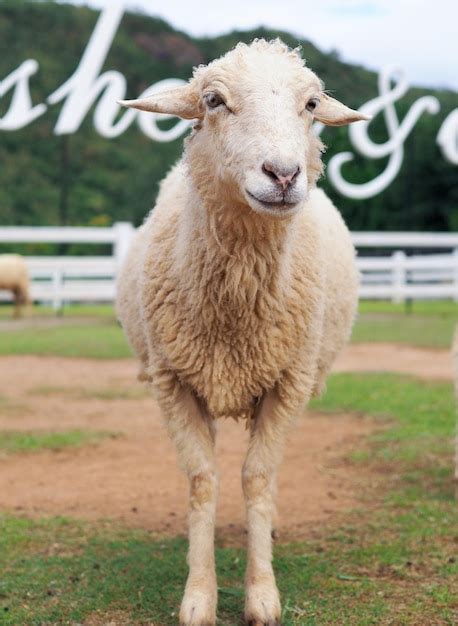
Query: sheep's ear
pixel 182 101
pixel 334 113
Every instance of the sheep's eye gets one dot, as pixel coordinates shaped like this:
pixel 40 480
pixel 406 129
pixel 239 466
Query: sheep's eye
pixel 213 100
pixel 312 104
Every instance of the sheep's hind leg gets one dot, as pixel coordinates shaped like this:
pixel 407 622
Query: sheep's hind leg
pixel 262 600
pixel 17 311
pixel 194 434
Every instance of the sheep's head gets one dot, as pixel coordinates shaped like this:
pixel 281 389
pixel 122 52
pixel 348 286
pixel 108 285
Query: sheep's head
pixel 254 109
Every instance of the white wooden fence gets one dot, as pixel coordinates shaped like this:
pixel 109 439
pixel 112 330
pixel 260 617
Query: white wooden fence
pixel 59 280
pixel 401 275
pixel 397 274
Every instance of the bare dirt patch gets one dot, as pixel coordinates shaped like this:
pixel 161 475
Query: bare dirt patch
pixel 399 359
pixel 135 478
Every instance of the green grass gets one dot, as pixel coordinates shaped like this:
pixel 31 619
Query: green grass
pixel 62 571
pixel 435 308
pixel 392 561
pixel 416 416
pixel 98 341
pixel 13 442
pixel 416 330
pixel 430 325
pixel 58 571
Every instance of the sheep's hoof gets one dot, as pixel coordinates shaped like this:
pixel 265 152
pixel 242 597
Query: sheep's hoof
pixel 198 609
pixel 262 606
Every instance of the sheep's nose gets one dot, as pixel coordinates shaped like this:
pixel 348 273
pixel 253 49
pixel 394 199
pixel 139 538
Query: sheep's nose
pixel 282 175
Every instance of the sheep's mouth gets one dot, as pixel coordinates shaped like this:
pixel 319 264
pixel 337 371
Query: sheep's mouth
pixel 275 206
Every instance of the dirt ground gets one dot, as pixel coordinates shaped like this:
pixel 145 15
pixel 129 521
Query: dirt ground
pixel 133 476
pixel 431 364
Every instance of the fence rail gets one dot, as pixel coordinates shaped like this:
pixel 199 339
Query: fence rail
pixel 397 275
pixel 405 240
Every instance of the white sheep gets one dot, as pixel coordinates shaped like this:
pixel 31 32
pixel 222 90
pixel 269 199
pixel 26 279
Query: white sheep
pixel 14 277
pixel 240 289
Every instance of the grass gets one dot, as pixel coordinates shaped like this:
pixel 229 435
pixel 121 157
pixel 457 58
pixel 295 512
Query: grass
pixel 98 341
pixel 416 416
pixel 73 571
pixel 434 308
pixel 13 442
pixel 426 324
pixel 425 331
pixel 393 561
pixel 66 572
pixel 430 325
pixel 429 308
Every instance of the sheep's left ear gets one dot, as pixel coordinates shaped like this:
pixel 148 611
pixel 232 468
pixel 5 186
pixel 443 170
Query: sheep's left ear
pixel 333 113
pixel 182 101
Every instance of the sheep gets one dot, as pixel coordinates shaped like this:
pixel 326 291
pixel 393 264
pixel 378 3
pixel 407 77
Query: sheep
pixel 240 289
pixel 14 277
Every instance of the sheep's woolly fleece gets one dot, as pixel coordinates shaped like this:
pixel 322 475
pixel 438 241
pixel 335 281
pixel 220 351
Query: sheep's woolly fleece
pixel 225 301
pixel 14 275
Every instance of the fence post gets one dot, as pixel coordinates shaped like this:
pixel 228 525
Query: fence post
pixel 399 276
pixel 455 274
pixel 57 285
pixel 123 232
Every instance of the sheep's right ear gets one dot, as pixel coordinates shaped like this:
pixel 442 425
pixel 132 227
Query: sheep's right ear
pixel 182 101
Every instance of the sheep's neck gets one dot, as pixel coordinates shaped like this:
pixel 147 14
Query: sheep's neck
pixel 239 256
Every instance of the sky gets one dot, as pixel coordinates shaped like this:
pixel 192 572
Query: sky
pixel 420 36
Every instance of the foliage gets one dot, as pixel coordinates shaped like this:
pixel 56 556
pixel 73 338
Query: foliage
pixel 85 179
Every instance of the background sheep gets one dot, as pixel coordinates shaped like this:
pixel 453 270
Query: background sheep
pixel 14 277
pixel 240 289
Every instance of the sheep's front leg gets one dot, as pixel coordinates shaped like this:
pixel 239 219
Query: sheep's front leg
pixel 262 601
pixel 193 433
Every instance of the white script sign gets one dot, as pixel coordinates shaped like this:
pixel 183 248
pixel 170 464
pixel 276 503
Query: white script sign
pixel 87 86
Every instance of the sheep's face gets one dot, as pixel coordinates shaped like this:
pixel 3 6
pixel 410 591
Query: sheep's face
pixel 255 129
pixel 255 108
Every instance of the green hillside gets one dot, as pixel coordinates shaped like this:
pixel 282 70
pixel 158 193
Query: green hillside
pixel 87 179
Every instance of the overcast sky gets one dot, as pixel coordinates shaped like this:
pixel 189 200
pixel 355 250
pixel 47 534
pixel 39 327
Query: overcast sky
pixel 421 36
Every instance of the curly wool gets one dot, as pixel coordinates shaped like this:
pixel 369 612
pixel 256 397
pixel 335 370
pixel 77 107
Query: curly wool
pixel 230 302
pixel 234 309
pixel 14 276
